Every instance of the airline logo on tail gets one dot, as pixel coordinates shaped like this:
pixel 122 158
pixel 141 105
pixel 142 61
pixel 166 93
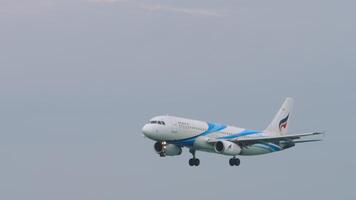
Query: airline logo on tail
pixel 283 123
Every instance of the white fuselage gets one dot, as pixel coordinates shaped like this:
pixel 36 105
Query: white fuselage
pixel 196 134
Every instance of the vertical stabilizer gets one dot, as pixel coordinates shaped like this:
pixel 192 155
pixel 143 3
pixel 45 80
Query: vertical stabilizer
pixel 279 125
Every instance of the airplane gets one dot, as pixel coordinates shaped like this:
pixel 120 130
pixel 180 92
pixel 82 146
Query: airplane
pixel 173 133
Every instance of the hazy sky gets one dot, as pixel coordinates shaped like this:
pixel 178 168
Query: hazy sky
pixel 79 78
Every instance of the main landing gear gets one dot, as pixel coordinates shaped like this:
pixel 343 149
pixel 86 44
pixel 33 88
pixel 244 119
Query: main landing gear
pixel 234 161
pixel 193 161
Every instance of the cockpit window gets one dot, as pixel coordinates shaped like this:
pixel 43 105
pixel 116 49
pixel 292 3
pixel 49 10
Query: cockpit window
pixel 158 122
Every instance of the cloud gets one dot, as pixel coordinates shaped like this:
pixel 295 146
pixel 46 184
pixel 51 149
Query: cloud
pixel 164 8
pixel 109 1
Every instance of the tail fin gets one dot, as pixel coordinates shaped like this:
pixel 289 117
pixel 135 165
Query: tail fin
pixel 279 125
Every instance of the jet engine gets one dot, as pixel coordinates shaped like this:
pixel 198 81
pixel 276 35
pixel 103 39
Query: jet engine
pixel 227 148
pixel 164 149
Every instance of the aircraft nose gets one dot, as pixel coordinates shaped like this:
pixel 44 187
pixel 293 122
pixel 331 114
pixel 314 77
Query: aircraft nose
pixel 147 130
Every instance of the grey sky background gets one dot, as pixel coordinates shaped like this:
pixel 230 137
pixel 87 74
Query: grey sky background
pixel 78 79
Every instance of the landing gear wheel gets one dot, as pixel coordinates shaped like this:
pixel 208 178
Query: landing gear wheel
pixel 194 162
pixel 234 162
pixel 237 162
pixel 191 162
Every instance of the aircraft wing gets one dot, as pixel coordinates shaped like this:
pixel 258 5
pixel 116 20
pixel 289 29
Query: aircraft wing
pixel 289 137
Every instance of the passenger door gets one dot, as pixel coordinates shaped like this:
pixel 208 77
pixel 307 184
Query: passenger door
pixel 174 127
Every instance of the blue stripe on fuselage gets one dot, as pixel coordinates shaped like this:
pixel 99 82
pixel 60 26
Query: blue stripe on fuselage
pixel 269 146
pixel 264 146
pixel 212 127
pixel 243 133
pixel 273 146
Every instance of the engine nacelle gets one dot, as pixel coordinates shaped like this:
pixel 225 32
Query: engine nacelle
pixel 227 148
pixel 164 149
